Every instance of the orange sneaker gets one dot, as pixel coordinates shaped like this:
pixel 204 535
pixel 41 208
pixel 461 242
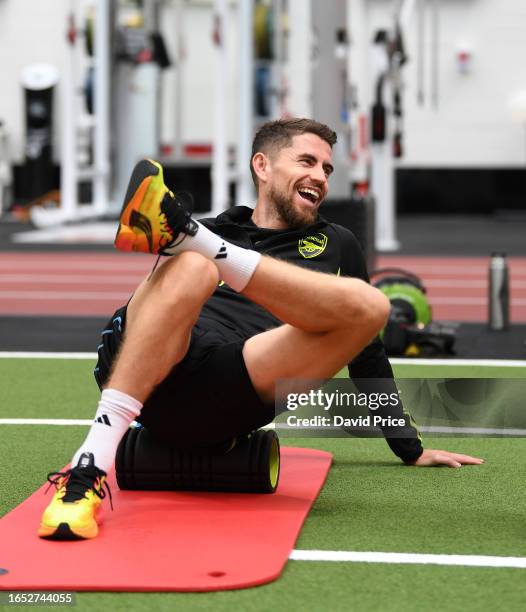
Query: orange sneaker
pixel 151 218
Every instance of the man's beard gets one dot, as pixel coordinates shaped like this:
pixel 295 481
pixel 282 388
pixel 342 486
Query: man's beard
pixel 285 210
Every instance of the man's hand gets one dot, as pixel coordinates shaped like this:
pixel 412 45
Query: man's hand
pixel 431 458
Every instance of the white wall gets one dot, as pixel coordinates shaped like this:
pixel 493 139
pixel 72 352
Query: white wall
pixel 472 124
pixel 198 66
pixel 298 67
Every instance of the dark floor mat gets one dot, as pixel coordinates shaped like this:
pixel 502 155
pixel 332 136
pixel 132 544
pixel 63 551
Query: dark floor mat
pixel 62 334
pixel 80 334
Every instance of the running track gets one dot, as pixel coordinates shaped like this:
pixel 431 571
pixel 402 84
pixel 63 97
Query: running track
pixel 94 284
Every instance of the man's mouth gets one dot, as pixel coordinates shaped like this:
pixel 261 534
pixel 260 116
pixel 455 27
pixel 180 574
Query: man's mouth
pixel 311 194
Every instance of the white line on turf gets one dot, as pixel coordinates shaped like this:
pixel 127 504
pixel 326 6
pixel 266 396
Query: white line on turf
pixel 504 363
pixel 46 421
pixel 505 431
pixel 426 429
pixel 412 558
pixel 43 355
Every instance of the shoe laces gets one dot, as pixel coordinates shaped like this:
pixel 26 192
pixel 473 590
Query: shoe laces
pixel 182 207
pixel 78 481
pixel 176 215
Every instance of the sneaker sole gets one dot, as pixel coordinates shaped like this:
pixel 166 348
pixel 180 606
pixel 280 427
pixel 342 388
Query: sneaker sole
pixel 65 532
pixel 135 231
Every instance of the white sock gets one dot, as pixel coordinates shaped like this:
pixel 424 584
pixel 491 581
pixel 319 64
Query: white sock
pixel 235 264
pixel 114 414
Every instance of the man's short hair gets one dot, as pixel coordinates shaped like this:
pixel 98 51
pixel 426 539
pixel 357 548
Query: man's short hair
pixel 276 135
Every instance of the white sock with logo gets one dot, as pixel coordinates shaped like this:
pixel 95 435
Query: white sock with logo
pixel 235 264
pixel 115 412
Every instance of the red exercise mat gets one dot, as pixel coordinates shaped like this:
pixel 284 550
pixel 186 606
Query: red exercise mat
pixel 168 541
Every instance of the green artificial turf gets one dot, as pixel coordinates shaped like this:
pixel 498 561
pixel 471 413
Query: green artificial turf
pixel 61 388
pixel 370 502
pixel 28 453
pixel 342 587
pixel 48 388
pixel 412 370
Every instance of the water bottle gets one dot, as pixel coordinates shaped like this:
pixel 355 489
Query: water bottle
pixel 499 293
pixel 6 178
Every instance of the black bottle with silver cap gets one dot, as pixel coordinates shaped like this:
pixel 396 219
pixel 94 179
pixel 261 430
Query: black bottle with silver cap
pixel 499 293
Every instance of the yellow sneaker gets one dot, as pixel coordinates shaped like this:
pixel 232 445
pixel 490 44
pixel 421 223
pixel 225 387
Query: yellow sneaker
pixel 151 217
pixel 75 510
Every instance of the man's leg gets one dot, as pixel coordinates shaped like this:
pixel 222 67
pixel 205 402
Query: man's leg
pixel 329 320
pixel 336 316
pixel 159 322
pixel 160 318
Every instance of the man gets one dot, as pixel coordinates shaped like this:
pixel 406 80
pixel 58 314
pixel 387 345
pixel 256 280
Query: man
pixel 196 362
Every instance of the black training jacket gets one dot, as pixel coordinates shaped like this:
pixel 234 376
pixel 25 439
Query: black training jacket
pixel 325 247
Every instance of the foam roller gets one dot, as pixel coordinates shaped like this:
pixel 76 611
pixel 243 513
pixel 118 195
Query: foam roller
pixel 250 465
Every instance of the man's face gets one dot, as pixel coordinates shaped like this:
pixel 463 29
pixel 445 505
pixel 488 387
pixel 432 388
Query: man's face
pixel 298 180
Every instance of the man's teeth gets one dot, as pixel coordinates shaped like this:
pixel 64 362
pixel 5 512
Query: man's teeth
pixel 312 192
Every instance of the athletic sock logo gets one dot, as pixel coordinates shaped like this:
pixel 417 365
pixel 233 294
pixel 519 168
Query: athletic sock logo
pixel 103 419
pixel 222 252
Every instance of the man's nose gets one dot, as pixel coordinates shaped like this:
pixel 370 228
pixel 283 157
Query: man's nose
pixel 318 175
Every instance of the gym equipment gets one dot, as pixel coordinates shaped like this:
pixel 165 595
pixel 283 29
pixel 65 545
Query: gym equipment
pixel 263 31
pixel 263 91
pixel 499 293
pixel 356 214
pixel 247 464
pixel 39 81
pixel 72 168
pixel 410 330
pixel 168 541
pixel 6 174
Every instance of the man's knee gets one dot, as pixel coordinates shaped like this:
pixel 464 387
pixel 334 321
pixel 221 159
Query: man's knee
pixel 367 306
pixel 189 275
pixel 381 308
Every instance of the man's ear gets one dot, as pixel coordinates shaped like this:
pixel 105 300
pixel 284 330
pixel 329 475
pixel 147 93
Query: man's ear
pixel 261 163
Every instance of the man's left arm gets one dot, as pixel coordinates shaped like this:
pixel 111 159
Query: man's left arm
pixel 372 372
pixel 372 363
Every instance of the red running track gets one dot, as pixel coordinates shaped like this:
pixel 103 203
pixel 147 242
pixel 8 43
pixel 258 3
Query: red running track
pixel 95 284
pixel 74 284
pixel 457 287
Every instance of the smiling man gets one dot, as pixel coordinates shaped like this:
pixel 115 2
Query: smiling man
pixel 240 301
pixel 290 174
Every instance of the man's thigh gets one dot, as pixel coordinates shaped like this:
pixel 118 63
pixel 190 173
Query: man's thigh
pixel 287 352
pixel 207 398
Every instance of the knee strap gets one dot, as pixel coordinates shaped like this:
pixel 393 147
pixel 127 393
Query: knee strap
pixel 251 466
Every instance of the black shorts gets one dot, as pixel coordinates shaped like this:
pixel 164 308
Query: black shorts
pixel 207 399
